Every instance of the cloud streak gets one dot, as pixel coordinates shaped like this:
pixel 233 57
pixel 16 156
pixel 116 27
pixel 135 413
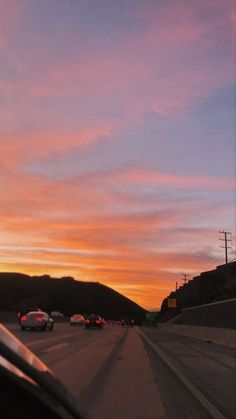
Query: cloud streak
pixel 116 140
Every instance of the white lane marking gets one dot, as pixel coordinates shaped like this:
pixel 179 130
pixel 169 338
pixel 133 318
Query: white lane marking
pixel 210 408
pixel 53 348
pixel 36 342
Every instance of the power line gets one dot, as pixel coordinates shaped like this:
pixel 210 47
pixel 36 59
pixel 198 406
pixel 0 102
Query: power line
pixel 214 261
pixel 226 241
pixel 185 277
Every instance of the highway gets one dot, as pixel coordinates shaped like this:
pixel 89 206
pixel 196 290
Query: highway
pixel 138 373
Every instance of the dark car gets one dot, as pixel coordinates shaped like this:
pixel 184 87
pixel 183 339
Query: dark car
pixel 94 321
pixel 57 316
pixel 128 323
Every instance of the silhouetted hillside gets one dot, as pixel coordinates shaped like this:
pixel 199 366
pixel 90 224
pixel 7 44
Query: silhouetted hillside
pixel 218 284
pixel 18 291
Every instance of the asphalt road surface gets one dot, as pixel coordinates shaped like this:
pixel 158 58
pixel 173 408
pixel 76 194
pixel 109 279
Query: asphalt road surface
pixel 139 373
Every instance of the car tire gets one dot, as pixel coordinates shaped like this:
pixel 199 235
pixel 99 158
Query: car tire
pixel 22 327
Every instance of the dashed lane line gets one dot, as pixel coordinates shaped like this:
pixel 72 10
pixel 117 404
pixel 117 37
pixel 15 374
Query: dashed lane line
pixel 51 339
pixel 47 339
pixel 55 347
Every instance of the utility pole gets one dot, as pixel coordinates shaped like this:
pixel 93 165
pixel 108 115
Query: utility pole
pixel 176 285
pixel 184 277
pixel 226 240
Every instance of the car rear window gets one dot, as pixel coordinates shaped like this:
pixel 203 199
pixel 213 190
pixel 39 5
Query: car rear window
pixel 35 313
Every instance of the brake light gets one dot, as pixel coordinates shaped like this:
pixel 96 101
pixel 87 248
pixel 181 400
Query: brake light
pixel 87 321
pixel 72 318
pixel 97 321
pixel 24 318
pixel 39 319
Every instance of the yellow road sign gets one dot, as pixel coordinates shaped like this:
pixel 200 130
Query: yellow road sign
pixel 171 302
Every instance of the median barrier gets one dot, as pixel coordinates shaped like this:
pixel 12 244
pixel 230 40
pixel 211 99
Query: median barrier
pixel 8 317
pixel 220 336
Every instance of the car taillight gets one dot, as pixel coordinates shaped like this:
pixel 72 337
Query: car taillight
pixel 87 321
pixel 72 318
pixel 24 318
pixel 39 319
pixel 97 321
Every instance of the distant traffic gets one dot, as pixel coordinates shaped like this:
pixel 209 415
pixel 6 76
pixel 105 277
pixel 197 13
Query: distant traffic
pixel 36 319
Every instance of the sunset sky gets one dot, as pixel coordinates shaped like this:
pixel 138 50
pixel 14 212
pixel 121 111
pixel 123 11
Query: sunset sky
pixel 117 121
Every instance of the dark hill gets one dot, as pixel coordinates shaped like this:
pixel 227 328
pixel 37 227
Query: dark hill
pixel 19 291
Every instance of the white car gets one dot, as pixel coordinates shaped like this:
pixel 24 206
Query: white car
pixel 36 320
pixel 77 319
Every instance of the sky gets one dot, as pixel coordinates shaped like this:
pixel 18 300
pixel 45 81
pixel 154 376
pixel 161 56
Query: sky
pixel 117 140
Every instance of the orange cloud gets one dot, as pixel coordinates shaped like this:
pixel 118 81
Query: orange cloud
pixel 144 277
pixel 49 229
pixel 35 145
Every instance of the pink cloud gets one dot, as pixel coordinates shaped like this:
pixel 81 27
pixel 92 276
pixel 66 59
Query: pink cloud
pixel 34 145
pixel 142 70
pixel 10 16
pixel 172 180
pixel 184 42
pixel 166 69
